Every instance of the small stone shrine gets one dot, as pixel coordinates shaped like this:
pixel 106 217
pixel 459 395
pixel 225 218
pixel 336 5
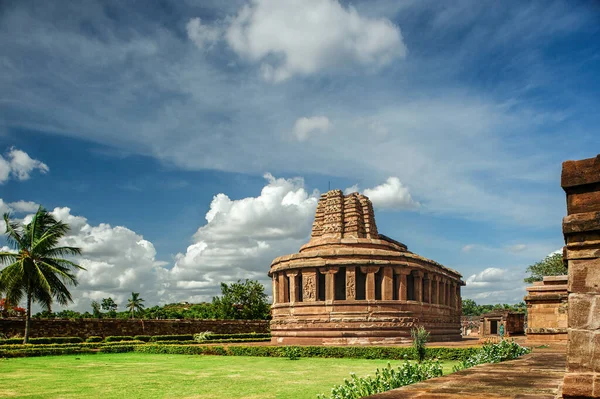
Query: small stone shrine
pixel 351 285
pixel 547 310
pixel 502 323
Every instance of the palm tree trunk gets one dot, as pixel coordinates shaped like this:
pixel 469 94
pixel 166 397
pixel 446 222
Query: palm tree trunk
pixel 27 319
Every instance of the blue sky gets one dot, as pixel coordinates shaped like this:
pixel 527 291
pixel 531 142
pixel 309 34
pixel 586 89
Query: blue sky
pixel 187 141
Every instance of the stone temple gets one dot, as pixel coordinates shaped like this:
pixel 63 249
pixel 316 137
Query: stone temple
pixel 351 285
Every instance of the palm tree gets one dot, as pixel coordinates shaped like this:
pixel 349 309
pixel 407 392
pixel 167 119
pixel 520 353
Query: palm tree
pixel 135 303
pixel 37 269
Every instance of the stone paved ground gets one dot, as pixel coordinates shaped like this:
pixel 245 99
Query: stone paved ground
pixel 537 375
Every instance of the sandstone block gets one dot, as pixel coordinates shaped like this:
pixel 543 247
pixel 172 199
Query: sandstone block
pixel 580 310
pixel 578 385
pixel 580 350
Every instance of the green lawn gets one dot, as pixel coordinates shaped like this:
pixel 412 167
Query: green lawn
pixel 138 375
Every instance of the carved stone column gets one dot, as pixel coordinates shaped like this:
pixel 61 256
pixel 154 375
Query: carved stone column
pixel 370 286
pixel 581 228
pixel 427 292
pixel 441 293
pixel 283 288
pixel 458 300
pixel 294 294
pixel 434 289
pixel 350 283
pixel 275 289
pixel 309 285
pixel 402 287
pixel 452 302
pixel 387 285
pixel 329 273
pixel 447 288
pixel 418 285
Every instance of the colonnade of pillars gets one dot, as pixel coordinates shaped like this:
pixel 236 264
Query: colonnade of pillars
pixel 365 282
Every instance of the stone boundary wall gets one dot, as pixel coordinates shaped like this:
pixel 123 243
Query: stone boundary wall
pixel 547 309
pixel 105 327
pixel 470 325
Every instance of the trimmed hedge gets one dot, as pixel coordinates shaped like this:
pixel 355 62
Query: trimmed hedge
pixel 43 340
pixel 32 352
pixel 94 339
pixel 179 338
pixel 115 338
pixel 214 337
pixel 145 338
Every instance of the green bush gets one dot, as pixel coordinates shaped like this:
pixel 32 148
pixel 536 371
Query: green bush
pixel 115 338
pixel 94 339
pixel 420 337
pixel 493 353
pixel 35 351
pixel 385 379
pixel 187 337
pixel 145 338
pixel 43 340
pixel 292 352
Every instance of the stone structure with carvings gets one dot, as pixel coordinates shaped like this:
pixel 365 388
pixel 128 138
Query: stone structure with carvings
pixel 512 323
pixel 351 285
pixel 581 228
pixel 547 315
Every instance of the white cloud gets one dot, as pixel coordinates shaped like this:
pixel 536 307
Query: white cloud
pixel 305 127
pixel 495 285
pixel 302 37
pixel 24 206
pixel 204 36
pixel 468 248
pixel 517 248
pixel 19 165
pixel 242 237
pixel 391 195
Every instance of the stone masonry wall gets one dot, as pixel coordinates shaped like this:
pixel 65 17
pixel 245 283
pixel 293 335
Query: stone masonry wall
pixel 547 308
pixel 581 228
pixel 104 327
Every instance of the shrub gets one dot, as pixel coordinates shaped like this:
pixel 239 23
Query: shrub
pixel 43 340
pixel 114 338
pixel 145 338
pixel 493 353
pixel 94 339
pixel 203 336
pixel 384 380
pixel 420 337
pixel 292 352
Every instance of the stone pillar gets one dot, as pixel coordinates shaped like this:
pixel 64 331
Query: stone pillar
pixel 442 291
pixel 453 295
pixel 434 289
pixel 329 273
pixel 275 289
pixel 283 288
pixel 294 294
pixel 458 300
pixel 447 288
pixel 427 293
pixel 387 285
pixel 402 291
pixel 418 285
pixel 581 228
pixel 370 285
pixel 350 283
pixel 309 285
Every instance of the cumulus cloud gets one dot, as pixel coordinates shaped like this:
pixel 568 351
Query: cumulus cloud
pixel 242 237
pixel 305 127
pixel 203 36
pixel 495 285
pixel 302 37
pixel 390 195
pixel 468 248
pixel 117 261
pixel 24 206
pixel 19 165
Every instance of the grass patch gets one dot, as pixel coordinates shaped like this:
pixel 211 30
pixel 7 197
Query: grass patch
pixel 139 375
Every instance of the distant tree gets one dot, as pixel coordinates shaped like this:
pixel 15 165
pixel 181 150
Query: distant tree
pixel 37 270
pixel 551 265
pixel 96 310
pixel 135 304
pixel 469 307
pixel 110 306
pixel 242 300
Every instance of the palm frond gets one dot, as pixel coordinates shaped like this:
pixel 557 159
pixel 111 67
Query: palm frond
pixel 14 233
pixel 7 257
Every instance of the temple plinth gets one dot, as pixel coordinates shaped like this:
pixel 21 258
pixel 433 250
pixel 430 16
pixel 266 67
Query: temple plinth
pixel 351 285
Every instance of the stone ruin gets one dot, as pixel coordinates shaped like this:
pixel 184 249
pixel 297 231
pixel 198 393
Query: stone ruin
pixel 351 285
pixel 547 310
pixel 581 228
pixel 492 323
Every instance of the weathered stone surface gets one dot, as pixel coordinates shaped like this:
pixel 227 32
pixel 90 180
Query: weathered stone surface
pixel 358 286
pixel 581 228
pixel 104 327
pixel 547 309
pixel 513 323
